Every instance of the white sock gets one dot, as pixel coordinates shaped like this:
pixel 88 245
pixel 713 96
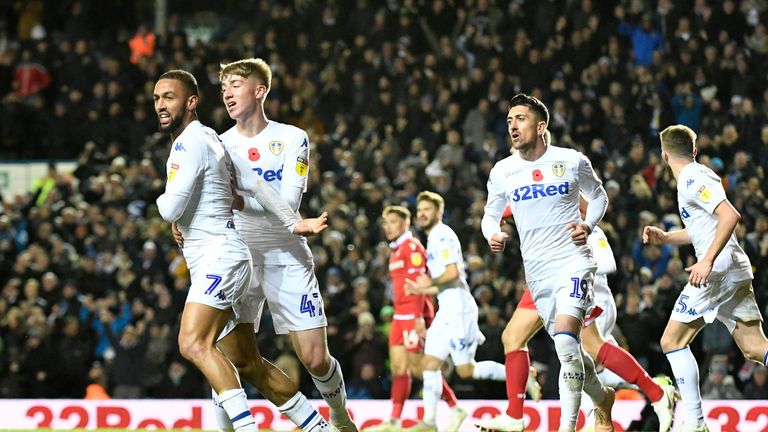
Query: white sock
pixel 433 388
pixel 686 371
pixel 302 414
pixel 571 379
pixel 222 418
pixel 592 385
pixel 235 404
pixel 610 379
pixel 489 370
pixel 333 390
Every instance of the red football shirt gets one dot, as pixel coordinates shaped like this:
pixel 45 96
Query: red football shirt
pixel 407 260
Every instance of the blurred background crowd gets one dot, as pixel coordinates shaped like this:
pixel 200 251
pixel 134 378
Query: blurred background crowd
pixel 397 96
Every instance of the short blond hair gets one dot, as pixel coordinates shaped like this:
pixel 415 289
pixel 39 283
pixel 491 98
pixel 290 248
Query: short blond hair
pixel 678 139
pixel 250 67
pixel 397 210
pixel 432 197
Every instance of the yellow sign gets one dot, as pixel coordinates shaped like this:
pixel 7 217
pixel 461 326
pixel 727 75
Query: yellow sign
pixel 416 259
pixel 172 172
pixel 704 194
pixel 301 166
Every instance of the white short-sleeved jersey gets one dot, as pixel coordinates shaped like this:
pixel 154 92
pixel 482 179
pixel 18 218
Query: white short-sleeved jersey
pixel 544 198
pixel 280 155
pixel 699 192
pixel 601 250
pixel 198 169
pixel 444 248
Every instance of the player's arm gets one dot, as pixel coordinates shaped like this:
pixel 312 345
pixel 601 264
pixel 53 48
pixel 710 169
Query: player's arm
pixel 265 196
pixel 594 192
pixel 727 219
pixel 601 250
pixel 494 209
pixel 656 236
pixel 184 168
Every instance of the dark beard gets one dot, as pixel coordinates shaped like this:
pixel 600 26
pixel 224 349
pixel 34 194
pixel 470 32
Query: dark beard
pixel 173 126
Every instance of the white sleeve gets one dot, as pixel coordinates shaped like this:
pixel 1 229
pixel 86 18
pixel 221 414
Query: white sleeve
pixel 263 196
pixel 183 167
pixel 705 191
pixel 593 190
pixel 441 254
pixel 601 249
pixel 494 207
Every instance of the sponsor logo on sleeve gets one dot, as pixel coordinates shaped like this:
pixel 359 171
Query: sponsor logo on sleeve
pixel 446 254
pixel 416 259
pixel 602 243
pixel 704 194
pixel 172 172
pixel 301 166
pixel 179 147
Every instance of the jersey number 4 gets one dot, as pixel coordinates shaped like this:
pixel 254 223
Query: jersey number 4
pixel 308 307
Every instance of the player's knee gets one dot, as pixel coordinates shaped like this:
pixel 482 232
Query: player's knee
pixel 193 349
pixel 465 371
pixel 756 354
pixel 567 347
pixel 511 340
pixel 317 361
pixel 670 343
pixel 399 368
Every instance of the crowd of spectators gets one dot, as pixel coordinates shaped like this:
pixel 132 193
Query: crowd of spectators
pixel 396 97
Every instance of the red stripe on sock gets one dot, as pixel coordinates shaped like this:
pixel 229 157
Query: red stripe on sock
pixel 624 365
pixel 517 364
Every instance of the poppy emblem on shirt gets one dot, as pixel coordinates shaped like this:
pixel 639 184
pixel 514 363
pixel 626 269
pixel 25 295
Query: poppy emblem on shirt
pixel 253 154
pixel 276 147
pixel 537 175
pixel 558 168
pixel 704 194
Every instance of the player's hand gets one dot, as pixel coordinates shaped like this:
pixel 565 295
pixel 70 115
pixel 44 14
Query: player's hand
pixel 653 235
pixel 311 226
pixel 579 233
pixel 177 234
pixel 699 273
pixel 498 241
pixel 418 286
pixel 420 327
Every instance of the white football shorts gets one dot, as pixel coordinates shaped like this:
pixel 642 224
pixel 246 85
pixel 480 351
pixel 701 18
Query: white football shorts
pixel 220 275
pixel 570 292
pixel 454 331
pixel 721 298
pixel 292 294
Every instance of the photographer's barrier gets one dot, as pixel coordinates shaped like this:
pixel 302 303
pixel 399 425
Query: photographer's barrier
pixel 726 416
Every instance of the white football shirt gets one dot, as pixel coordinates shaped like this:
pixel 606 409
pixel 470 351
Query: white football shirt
pixel 197 192
pixel 280 155
pixel 443 249
pixel 699 192
pixel 544 198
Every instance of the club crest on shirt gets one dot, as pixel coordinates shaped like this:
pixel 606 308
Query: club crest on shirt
pixel 276 147
pixel 301 166
pixel 558 168
pixel 416 259
pixel 172 172
pixel 704 194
